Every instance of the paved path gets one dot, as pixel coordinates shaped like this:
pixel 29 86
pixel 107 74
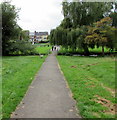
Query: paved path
pixel 48 96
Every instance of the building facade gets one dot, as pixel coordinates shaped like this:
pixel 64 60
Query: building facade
pixel 37 37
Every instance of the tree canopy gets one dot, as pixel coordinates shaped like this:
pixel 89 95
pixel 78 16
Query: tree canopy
pixel 12 34
pixel 86 24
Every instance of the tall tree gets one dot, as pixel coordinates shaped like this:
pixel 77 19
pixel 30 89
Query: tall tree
pixel 9 25
pixel 85 13
pixel 77 16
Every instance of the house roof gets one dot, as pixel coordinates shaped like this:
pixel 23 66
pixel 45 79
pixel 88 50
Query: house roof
pixel 41 33
pixel 38 33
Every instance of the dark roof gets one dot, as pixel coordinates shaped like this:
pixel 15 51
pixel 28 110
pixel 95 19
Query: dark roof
pixel 41 33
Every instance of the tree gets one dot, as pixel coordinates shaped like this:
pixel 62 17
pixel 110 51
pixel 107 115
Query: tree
pixel 72 32
pixel 52 37
pixel 85 13
pixel 113 15
pixel 101 34
pixel 65 7
pixel 66 23
pixel 10 29
pixel 24 35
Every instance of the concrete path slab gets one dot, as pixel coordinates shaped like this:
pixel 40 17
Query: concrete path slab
pixel 48 96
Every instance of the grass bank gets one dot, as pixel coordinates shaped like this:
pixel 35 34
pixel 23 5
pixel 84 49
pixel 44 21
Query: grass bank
pixel 43 49
pixel 92 82
pixel 17 74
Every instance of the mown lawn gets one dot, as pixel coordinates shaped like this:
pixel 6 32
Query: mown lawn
pixel 92 82
pixel 43 49
pixel 17 74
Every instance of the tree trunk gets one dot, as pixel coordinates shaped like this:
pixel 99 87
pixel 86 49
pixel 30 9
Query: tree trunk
pixel 102 50
pixel 86 50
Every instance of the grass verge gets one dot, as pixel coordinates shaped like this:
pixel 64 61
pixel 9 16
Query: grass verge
pixel 92 82
pixel 17 74
pixel 43 49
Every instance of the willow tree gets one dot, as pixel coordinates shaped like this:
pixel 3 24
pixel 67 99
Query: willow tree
pixel 52 37
pixel 113 15
pixel 65 8
pixel 73 39
pixel 77 15
pixel 58 35
pixel 86 13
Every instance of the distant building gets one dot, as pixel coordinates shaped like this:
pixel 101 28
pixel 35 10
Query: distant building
pixel 36 37
pixel 31 37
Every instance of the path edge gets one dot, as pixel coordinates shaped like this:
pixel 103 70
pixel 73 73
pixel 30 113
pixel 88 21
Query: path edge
pixel 67 86
pixel 29 87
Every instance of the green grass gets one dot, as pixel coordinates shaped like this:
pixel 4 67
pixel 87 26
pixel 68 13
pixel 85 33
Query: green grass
pixel 99 49
pixel 42 49
pixel 92 82
pixel 95 50
pixel 17 75
pixel 42 44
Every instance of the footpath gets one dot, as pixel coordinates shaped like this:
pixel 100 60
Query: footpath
pixel 48 96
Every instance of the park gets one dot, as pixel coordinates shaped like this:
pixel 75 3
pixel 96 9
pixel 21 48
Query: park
pixel 75 81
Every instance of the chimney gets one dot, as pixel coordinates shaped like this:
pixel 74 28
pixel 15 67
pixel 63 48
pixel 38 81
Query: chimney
pixel 35 32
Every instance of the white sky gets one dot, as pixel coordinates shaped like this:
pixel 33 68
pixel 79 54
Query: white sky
pixel 39 15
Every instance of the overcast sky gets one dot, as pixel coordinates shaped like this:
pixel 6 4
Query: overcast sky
pixel 39 15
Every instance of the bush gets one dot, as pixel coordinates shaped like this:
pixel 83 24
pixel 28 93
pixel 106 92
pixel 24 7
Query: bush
pixel 21 47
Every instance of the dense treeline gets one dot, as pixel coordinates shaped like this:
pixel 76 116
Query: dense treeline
pixel 14 39
pixel 86 25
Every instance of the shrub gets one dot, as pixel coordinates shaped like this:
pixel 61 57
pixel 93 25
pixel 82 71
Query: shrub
pixel 21 47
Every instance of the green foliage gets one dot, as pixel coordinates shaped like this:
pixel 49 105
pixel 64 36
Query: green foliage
pixel 85 13
pixel 66 23
pixel 79 18
pixel 10 28
pixel 17 75
pixel 22 47
pixel 95 51
pixel 52 37
pixel 14 39
pixel 24 35
pixel 42 49
pixel 113 15
pixel 91 80
pixel 65 5
pixel 73 38
pixel 101 34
